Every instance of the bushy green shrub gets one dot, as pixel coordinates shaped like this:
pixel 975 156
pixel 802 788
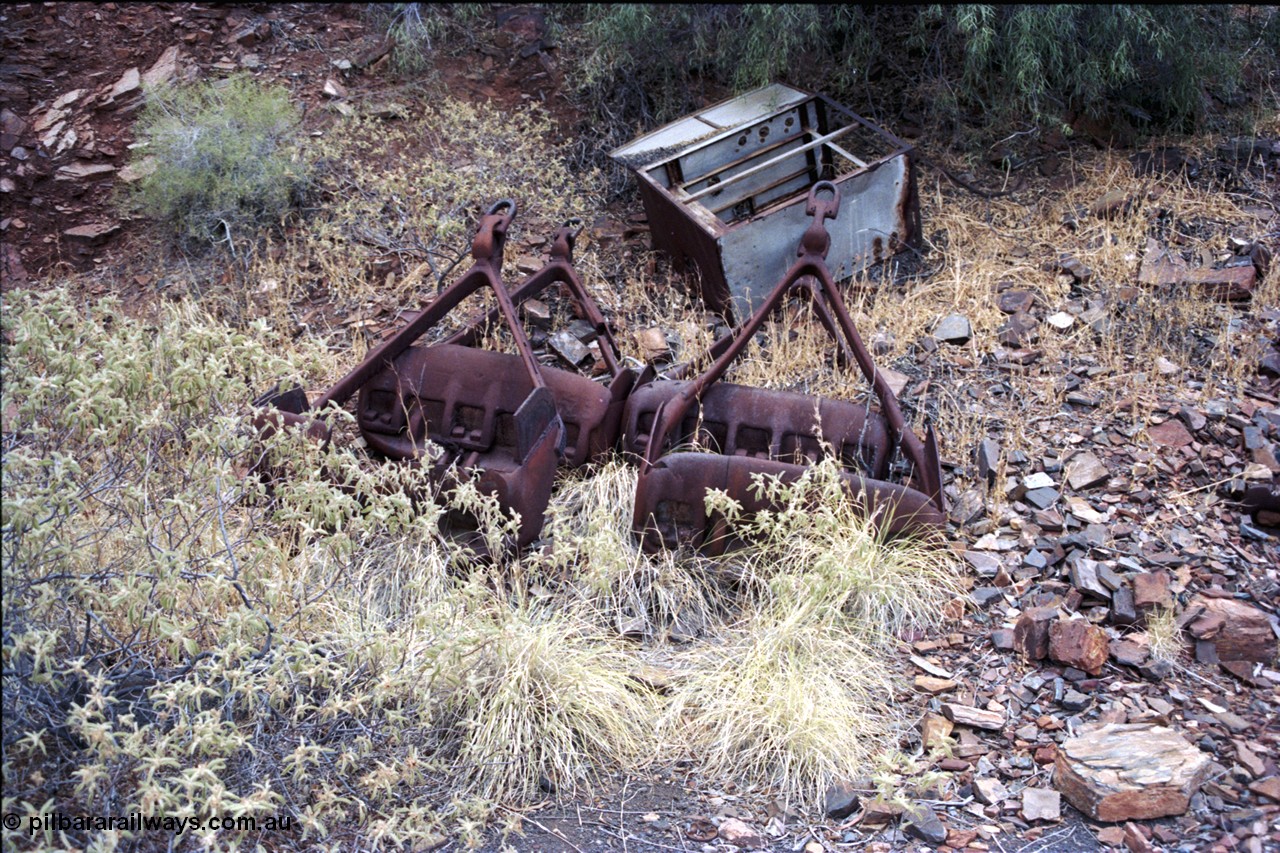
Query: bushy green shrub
pixel 650 62
pixel 225 157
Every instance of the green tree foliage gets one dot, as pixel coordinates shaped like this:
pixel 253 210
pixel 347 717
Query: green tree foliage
pixel 224 159
pixel 1042 62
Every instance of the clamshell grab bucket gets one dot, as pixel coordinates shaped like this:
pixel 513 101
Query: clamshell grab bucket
pixel 745 432
pixel 505 418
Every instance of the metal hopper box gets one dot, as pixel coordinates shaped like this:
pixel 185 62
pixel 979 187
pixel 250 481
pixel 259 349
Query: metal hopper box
pixel 725 190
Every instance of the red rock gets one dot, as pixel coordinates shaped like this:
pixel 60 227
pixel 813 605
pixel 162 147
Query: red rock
pixel 1077 643
pixel 1245 633
pixel 1031 632
pixel 1135 771
pixel 1170 434
pixel 739 834
pixel 1269 787
pixel 1151 589
pixel 1207 625
pixel 1135 840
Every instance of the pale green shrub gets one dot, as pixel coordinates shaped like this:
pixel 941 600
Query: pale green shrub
pixel 226 161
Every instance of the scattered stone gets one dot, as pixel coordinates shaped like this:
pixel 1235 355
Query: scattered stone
pixel 1245 632
pixel 1134 771
pixel 1169 434
pixel 12 127
pixel 968 508
pixel 985 564
pixel 653 344
pixel 1134 839
pixel 935 730
pixel 1041 804
pixel 1123 611
pixel 842 800
pixel 987 457
pixel 1020 330
pixel 953 329
pixel 989 791
pixel 1151 589
pixel 920 821
pixel 978 718
pixel 1086 471
pixel 334 89
pixel 1114 203
pixel 129 82
pixel 1229 284
pixel 570 348
pixel 1062 321
pixel 897 381
pixel 1129 653
pixel 1074 700
pixel 92 235
pixel 1165 367
pixel 1077 643
pixel 879 811
pixel 163 70
pixel 932 685
pixel 78 171
pixel 1031 632
pixel 1269 788
pixel 737 833
pixel 1038 480
pixel 537 312
pixel 1084 577
pixel 1016 302
pixel 1073 267
pixel 1042 498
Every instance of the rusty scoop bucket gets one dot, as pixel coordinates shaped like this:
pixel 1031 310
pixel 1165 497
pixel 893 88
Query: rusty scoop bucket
pixel 743 433
pixel 505 418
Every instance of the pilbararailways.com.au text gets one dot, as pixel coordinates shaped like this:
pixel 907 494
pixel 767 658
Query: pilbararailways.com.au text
pixel 137 822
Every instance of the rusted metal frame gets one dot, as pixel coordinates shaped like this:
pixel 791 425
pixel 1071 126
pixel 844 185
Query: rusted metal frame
pixel 746 158
pixel 812 264
pixel 762 190
pixel 746 173
pixel 486 250
pixel 559 269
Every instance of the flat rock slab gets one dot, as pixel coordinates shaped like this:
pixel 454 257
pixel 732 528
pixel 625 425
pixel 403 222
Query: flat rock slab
pixel 1133 771
pixel 1041 804
pixel 953 329
pixel 1086 471
pixel 1170 434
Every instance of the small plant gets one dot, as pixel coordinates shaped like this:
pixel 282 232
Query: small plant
pixel 225 156
pixel 1164 636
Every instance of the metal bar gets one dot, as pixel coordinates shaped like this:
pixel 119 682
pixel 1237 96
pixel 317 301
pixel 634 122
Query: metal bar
pixel 846 155
pixel 764 189
pixel 746 158
pixel 822 140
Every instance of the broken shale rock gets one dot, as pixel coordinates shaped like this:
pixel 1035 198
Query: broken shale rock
pixel 1135 771
pixel 1244 633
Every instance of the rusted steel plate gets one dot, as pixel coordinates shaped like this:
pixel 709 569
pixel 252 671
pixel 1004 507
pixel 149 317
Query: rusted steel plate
pixel 736 420
pixel 671 508
pixel 465 399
